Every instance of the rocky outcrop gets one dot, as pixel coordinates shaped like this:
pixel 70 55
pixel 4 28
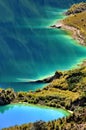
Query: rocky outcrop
pixel 57 75
pixel 77 8
pixel 57 25
pixel 6 96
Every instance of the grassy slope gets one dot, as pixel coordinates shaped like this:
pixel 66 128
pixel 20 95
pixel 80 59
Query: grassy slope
pixel 61 92
pixel 76 8
pixel 77 20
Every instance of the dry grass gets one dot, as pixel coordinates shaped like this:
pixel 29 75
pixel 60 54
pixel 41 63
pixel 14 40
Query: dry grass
pixel 78 21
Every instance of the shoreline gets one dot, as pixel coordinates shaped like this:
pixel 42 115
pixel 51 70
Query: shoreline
pixel 57 74
pixel 75 33
pixel 83 64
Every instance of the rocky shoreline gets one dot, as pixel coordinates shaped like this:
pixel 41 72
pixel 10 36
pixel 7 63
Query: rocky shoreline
pixel 49 79
pixel 75 22
pixel 75 32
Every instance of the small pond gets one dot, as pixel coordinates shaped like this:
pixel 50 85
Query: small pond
pixel 17 114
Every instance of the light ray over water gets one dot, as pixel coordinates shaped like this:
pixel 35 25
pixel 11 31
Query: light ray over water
pixel 29 48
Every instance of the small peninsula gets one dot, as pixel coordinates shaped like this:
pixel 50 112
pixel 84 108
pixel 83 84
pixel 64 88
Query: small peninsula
pixel 66 89
pixel 75 22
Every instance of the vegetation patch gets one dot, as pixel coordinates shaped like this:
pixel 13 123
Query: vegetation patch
pixel 77 19
pixel 77 8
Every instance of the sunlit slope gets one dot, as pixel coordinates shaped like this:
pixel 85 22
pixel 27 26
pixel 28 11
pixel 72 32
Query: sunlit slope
pixel 77 20
pixel 77 8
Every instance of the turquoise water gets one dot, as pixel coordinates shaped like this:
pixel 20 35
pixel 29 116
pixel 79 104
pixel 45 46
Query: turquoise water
pixel 18 114
pixel 29 48
pixel 24 86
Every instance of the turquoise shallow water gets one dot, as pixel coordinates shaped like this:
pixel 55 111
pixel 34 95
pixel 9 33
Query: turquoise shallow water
pixel 18 114
pixel 29 48
pixel 24 86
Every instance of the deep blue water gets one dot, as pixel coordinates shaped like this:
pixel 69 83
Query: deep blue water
pixel 29 48
pixel 18 114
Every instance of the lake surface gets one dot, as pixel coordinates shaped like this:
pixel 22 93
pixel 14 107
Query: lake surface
pixel 24 86
pixel 18 114
pixel 29 48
